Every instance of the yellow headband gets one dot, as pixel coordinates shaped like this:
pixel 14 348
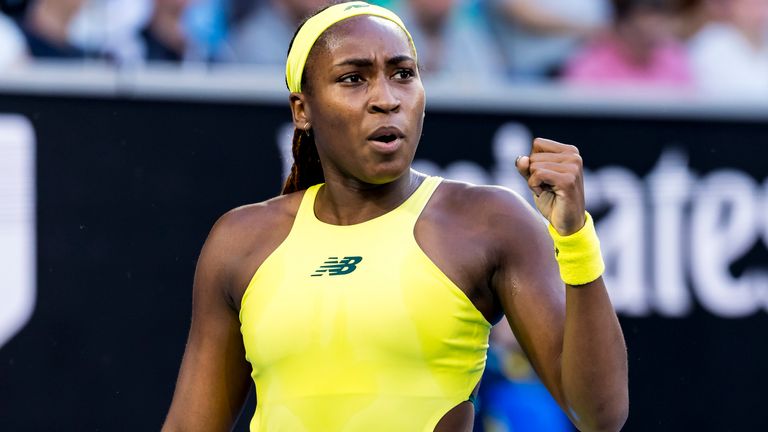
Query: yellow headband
pixel 315 26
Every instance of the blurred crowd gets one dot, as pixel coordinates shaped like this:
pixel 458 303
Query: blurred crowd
pixel 707 45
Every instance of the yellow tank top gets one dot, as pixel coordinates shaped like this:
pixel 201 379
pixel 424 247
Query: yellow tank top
pixel 354 328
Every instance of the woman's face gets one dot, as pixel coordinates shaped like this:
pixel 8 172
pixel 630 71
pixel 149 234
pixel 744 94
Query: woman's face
pixel 365 100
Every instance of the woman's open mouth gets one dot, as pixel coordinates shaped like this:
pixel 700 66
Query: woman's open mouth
pixel 386 139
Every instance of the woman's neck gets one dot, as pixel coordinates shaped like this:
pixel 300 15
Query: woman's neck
pixel 348 201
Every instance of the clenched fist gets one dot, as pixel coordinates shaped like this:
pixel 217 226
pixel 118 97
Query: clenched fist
pixel 555 174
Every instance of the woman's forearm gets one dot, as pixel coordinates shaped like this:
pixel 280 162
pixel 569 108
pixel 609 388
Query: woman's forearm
pixel 594 360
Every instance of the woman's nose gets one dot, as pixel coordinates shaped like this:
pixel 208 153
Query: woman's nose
pixel 383 98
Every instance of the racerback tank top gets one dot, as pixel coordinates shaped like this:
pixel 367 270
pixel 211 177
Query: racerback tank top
pixel 354 328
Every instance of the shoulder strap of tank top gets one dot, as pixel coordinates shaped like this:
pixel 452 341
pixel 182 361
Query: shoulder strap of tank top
pixel 415 204
pixel 306 212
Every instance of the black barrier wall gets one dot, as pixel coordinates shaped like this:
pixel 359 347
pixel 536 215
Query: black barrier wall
pixel 128 188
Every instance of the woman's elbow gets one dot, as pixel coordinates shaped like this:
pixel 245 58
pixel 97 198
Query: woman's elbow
pixel 610 419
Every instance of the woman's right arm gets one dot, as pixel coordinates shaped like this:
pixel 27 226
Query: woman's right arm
pixel 214 378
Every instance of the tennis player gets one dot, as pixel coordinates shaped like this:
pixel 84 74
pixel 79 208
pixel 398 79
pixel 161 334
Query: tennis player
pixel 361 298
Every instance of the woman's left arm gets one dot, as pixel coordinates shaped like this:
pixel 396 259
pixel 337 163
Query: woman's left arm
pixel 574 341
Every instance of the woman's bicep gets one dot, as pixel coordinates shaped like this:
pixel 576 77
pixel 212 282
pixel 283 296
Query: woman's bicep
pixel 529 288
pixel 213 378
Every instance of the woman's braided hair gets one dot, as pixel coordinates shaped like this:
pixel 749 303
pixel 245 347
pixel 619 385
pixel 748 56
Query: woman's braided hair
pixel 306 169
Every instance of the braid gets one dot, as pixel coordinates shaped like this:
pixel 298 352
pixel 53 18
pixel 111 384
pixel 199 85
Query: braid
pixel 306 169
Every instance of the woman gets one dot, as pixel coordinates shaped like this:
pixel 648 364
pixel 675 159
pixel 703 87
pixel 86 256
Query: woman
pixel 373 292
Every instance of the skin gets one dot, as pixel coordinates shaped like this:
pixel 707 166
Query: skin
pixel 432 14
pixel 750 17
pixel 642 32
pixel 166 25
pixel 50 18
pixel 531 16
pixel 571 334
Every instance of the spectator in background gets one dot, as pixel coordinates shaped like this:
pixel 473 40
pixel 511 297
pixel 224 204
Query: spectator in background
pixel 535 37
pixel 640 49
pixel 731 55
pixel 262 36
pixel 46 27
pixel 164 37
pixel 691 16
pixel 452 43
pixel 13 51
pixel 206 24
pixel 110 28
pixel 512 397
pixel 238 10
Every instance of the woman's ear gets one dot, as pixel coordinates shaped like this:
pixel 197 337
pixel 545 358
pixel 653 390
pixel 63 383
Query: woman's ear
pixel 300 111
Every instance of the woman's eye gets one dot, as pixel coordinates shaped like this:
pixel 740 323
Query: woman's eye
pixel 355 78
pixel 404 74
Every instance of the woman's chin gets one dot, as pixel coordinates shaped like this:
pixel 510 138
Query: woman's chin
pixel 387 173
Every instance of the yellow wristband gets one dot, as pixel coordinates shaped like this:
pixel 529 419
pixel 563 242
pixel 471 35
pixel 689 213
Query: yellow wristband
pixel 578 254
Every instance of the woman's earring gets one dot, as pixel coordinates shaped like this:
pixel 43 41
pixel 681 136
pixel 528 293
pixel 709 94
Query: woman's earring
pixel 307 132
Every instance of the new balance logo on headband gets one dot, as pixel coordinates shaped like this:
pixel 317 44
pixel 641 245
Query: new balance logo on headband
pixel 334 266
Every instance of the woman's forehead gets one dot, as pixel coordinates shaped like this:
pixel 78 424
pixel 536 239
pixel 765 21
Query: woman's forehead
pixel 365 32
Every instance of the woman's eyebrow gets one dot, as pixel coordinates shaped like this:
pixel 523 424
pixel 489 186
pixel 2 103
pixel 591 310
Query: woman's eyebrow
pixel 400 59
pixel 359 62
pixel 366 62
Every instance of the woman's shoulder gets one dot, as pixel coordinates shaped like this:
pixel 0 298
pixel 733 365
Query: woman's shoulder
pixel 258 221
pixel 243 237
pixel 496 207
pixel 462 196
pixel 264 212
pixel 493 216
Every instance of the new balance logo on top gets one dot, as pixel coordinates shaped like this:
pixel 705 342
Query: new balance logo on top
pixel 334 266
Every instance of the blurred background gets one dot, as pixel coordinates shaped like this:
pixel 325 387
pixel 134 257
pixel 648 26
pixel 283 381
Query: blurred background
pixel 128 126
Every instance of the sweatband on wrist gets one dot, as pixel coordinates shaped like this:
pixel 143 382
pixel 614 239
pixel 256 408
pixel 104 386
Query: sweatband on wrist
pixel 315 26
pixel 578 254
